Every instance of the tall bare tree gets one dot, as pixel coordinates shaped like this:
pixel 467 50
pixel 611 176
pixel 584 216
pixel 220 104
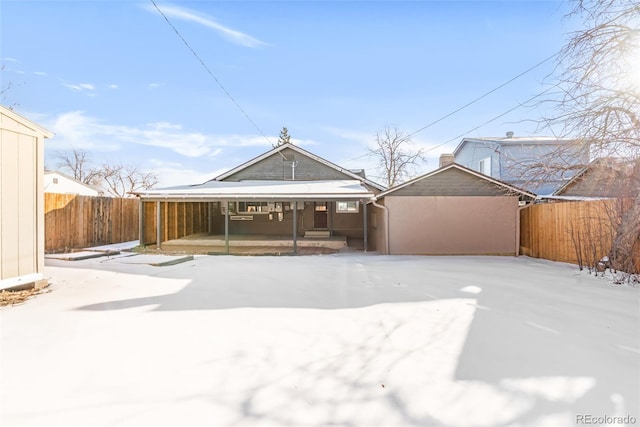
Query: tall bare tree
pixel 396 159
pixel 120 180
pixel 598 75
pixel 116 179
pixel 77 163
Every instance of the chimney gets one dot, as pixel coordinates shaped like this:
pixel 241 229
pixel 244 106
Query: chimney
pixel 446 159
pixel 510 134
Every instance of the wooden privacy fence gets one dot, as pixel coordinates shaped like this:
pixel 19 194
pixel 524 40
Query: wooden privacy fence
pixel 73 221
pixel 580 232
pixel 178 219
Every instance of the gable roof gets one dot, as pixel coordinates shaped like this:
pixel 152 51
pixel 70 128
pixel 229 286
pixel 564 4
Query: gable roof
pixel 278 151
pixel 35 128
pixel 70 178
pixel 603 177
pixel 513 140
pixel 457 167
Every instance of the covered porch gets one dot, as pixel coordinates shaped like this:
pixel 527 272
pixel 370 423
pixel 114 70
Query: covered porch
pixel 284 216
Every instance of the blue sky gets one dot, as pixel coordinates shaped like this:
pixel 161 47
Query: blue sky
pixel 113 78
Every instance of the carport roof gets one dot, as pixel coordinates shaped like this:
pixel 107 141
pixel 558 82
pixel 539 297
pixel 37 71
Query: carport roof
pixel 262 190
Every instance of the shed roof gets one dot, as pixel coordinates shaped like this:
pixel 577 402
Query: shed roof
pixel 34 127
pixel 263 190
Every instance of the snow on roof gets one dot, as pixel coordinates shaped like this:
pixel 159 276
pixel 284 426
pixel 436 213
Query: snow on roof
pixel 264 190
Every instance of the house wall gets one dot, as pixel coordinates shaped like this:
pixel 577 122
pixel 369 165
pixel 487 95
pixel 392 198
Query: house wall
pixel 511 161
pixel 342 224
pixel 276 167
pixel 472 152
pixel 21 201
pixel 377 228
pixel 450 225
pixel 66 186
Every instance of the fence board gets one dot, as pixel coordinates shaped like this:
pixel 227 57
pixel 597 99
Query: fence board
pixel 73 222
pixel 580 232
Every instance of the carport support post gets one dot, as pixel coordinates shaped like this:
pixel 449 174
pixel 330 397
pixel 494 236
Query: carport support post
pixel 364 211
pixel 158 226
pixel 209 217
pixel 226 226
pixel 295 228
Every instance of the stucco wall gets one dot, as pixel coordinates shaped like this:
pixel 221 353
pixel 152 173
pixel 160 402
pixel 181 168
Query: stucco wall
pixel 446 225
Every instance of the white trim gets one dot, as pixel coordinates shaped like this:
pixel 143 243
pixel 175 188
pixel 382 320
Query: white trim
pixel 484 166
pixel 20 280
pixel 35 128
pixel 338 211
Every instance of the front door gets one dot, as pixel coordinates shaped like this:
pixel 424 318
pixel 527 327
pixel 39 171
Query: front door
pixel 320 215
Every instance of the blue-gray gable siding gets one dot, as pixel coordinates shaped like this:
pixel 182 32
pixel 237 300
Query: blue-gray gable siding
pixel 278 167
pixel 452 182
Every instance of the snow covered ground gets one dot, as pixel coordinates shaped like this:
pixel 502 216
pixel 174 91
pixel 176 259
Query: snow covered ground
pixel 339 340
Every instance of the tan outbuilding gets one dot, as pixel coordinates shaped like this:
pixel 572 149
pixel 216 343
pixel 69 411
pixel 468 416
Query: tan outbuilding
pixel 450 211
pixel 21 200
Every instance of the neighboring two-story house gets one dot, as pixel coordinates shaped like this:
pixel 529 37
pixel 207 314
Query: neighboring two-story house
pixel 537 164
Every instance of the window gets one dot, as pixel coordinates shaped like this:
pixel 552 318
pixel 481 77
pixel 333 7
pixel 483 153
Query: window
pixel 347 207
pixel 485 166
pixel 55 180
pixel 253 207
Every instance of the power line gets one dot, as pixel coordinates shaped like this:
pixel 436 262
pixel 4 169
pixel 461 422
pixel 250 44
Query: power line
pixel 457 110
pixel 484 95
pixel 491 120
pixel 210 73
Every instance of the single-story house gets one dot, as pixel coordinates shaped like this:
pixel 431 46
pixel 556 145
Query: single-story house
pixel 450 211
pixel 21 200
pixel 59 183
pixel 286 191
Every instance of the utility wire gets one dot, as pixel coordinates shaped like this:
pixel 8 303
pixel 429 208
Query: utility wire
pixel 210 73
pixel 473 102
pixel 491 120
pixel 484 95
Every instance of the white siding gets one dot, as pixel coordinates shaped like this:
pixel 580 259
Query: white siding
pixel 21 199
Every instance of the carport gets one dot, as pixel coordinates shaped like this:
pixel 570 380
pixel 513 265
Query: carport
pixel 262 209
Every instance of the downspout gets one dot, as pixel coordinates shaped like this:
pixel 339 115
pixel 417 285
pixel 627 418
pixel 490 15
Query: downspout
pixel 386 224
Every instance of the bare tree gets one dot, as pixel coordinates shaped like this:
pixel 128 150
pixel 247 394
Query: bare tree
pixel 599 99
pixel 120 180
pixel 77 163
pixel 4 89
pixel 395 158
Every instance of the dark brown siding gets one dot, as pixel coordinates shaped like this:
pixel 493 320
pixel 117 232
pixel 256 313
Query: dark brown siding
pixel 451 182
pixel 276 167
